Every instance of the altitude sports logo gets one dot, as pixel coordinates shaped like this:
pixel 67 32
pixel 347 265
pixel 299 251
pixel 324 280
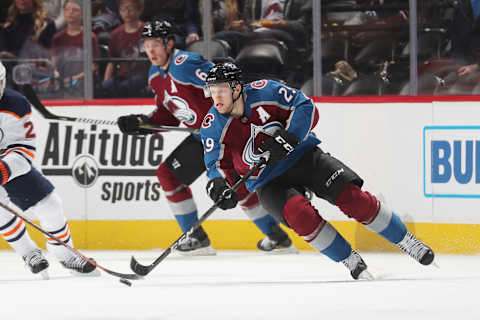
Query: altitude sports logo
pixel 125 165
pixel 85 171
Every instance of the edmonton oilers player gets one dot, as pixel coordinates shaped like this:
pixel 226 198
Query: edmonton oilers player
pixel 268 119
pixel 29 190
pixel 177 78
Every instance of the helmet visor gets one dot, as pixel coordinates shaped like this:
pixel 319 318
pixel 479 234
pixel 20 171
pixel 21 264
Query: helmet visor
pixel 219 88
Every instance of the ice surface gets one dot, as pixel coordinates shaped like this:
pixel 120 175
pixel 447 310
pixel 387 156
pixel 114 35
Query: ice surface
pixel 245 285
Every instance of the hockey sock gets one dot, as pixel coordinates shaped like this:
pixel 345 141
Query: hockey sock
pixel 388 225
pixel 49 211
pixel 182 205
pixel 179 198
pixel 357 204
pixel 256 213
pixel 185 221
pixel 13 230
pixel 366 209
pixel 321 235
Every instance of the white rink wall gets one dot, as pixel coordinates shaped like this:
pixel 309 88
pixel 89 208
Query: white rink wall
pixel 388 144
pixel 419 158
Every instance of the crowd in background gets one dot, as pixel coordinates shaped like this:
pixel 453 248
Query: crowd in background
pixel 365 45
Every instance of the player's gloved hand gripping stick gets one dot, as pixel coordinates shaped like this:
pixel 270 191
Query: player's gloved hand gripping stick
pixel 22 76
pixel 143 270
pixel 279 146
pixel 218 188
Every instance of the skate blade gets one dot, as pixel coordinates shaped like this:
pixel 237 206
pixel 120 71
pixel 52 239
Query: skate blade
pixel 365 275
pixel 207 251
pixel 288 250
pixel 94 273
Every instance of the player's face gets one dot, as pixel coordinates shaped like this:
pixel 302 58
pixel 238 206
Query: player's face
pixel 222 97
pixel 156 51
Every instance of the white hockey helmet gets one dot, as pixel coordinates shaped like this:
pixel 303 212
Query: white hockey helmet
pixel 3 79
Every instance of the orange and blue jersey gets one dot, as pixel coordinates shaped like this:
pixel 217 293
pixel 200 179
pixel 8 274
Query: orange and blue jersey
pixel 17 134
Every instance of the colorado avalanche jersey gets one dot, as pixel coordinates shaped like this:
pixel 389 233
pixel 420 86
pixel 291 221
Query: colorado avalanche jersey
pixel 231 143
pixel 17 136
pixel 179 90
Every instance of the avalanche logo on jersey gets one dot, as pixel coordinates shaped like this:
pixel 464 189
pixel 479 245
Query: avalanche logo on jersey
pixel 258 135
pixel 180 109
pixel 207 121
pixel 180 59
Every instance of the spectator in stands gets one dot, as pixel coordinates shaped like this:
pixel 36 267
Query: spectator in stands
pixel 54 10
pixel 288 21
pixel 67 49
pixel 126 78
pixel 226 15
pixel 4 5
pixel 104 20
pixel 464 32
pixel 228 23
pixel 112 5
pixel 27 30
pixel 183 14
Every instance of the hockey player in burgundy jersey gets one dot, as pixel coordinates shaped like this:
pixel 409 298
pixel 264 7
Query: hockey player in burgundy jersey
pixel 177 78
pixel 29 190
pixel 268 119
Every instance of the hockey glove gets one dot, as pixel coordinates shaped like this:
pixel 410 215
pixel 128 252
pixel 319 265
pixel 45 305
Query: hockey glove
pixel 218 188
pixel 279 146
pixel 131 124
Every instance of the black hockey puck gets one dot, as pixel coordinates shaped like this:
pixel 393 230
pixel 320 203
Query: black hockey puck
pixel 126 282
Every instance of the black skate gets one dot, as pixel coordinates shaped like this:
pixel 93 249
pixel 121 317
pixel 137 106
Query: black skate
pixel 416 249
pixel 277 241
pixel 197 244
pixel 357 267
pixel 80 266
pixel 36 262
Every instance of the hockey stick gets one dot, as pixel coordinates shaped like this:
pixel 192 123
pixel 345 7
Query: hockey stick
pixel 38 105
pixel 143 270
pixel 75 251
pixel 22 75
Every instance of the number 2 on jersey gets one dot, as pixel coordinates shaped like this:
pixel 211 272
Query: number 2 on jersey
pixel 29 126
pixel 287 94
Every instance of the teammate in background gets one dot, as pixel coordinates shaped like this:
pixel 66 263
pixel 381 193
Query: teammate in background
pixel 178 77
pixel 268 119
pixel 29 190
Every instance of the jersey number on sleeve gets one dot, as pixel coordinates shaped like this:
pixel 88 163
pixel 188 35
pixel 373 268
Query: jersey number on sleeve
pixel 29 126
pixel 287 93
pixel 208 144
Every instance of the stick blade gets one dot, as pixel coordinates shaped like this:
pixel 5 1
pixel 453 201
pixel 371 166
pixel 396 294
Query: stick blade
pixel 138 268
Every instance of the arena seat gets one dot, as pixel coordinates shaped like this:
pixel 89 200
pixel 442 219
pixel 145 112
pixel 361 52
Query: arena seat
pixel 218 48
pixel 263 58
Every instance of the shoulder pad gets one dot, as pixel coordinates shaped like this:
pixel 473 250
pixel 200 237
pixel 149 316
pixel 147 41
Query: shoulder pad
pixel 14 103
pixel 189 68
